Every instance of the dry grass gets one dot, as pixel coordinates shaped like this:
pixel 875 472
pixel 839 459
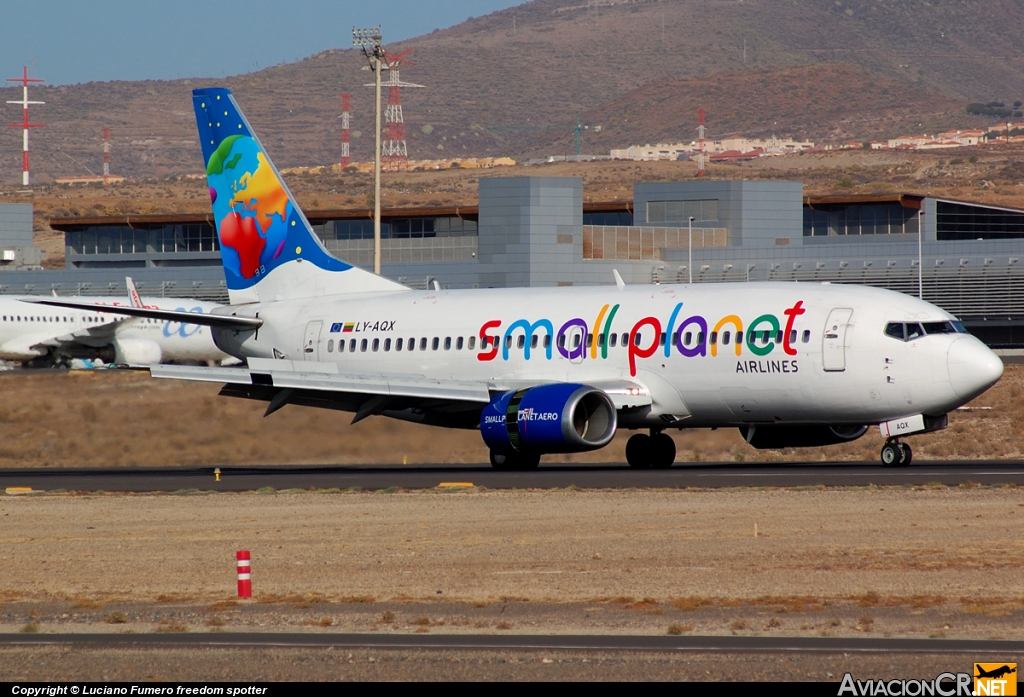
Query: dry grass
pixel 172 426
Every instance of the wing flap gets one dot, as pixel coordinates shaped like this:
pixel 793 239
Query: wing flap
pixel 325 377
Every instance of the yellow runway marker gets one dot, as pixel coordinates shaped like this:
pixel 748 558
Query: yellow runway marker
pixel 454 485
pixel 15 490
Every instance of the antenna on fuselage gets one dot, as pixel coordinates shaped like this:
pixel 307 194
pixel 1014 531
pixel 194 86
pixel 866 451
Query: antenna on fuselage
pixel 619 283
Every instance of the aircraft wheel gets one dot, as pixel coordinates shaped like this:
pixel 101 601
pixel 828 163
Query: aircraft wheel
pixel 664 451
pixel 639 451
pixel 514 462
pixel 906 455
pixel 891 455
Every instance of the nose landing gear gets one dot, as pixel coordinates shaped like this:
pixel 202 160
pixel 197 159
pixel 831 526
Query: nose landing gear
pixel 896 454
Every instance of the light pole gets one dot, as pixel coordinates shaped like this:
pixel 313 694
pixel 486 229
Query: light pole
pixel 370 41
pixel 689 247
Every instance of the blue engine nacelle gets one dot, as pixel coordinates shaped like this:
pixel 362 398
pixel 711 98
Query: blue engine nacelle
pixel 557 418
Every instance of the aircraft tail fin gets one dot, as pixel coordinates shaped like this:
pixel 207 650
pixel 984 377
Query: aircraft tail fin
pixel 268 248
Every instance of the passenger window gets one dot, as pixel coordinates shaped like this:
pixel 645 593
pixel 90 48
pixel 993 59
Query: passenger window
pixel 547 341
pixel 914 331
pixel 362 345
pixel 561 341
pixel 725 337
pixel 376 344
pixel 447 343
pixel 435 343
pixel 472 343
pixel 387 344
pixel 508 341
pixel 807 336
pixel 590 339
pixel 576 341
pixel 423 344
pixel 533 341
pixel 714 338
pixel 739 337
pixel 612 339
pixel 341 346
pixel 687 337
pixel 458 344
pixel 778 336
pixel 330 346
pixel 792 337
pixel 700 338
pixel 895 330
pixel 352 346
pixel 661 339
pixel 636 339
pixel 398 344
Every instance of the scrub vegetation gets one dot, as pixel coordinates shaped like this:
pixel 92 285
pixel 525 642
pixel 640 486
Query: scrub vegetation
pixel 127 419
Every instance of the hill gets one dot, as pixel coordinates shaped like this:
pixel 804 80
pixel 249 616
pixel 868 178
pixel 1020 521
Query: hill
pixel 514 82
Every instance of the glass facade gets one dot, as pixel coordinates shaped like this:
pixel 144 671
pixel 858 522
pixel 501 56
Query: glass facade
pixel 126 239
pixel 859 219
pixel 396 228
pixel 682 211
pixel 959 221
pixel 615 218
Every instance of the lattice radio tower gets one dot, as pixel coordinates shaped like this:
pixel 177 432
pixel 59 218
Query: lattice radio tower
pixel 393 150
pixel 24 125
pixel 345 154
pixel 106 154
pixel 701 143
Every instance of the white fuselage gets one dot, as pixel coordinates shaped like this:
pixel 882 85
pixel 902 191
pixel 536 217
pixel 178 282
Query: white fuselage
pixel 819 353
pixel 29 331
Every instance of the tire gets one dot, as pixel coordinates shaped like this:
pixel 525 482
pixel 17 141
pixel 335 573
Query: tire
pixel 514 462
pixel 664 451
pixel 906 455
pixel 890 455
pixel 639 451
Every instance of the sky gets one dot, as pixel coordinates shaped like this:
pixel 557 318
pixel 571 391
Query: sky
pixel 71 41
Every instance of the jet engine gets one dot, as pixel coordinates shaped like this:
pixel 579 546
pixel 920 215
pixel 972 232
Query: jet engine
pixel 137 351
pixel 800 436
pixel 556 418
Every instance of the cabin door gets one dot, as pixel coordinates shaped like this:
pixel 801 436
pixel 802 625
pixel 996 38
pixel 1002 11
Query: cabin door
pixel 311 344
pixel 833 340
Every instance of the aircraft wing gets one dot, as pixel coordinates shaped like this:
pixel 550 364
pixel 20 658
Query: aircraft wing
pixel 96 336
pixel 325 377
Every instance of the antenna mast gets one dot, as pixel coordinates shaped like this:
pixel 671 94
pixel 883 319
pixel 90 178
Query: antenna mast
pixel 701 143
pixel 24 125
pixel 345 158
pixel 394 151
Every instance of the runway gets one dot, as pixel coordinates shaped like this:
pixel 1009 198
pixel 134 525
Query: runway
pixel 588 476
pixel 526 642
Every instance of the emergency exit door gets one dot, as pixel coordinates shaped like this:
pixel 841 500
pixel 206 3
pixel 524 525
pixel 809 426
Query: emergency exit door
pixel 833 341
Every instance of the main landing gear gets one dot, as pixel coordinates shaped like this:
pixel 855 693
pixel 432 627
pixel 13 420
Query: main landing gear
pixel 655 451
pixel 896 454
pixel 514 462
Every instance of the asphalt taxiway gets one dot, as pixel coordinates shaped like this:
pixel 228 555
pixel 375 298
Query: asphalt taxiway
pixel 528 642
pixel 588 476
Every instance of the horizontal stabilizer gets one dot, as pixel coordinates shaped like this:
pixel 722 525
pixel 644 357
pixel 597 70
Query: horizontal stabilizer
pixel 203 318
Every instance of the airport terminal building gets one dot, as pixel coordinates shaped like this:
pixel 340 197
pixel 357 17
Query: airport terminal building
pixel 537 231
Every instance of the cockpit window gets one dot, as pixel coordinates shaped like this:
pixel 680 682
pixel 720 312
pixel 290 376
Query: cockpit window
pixel 895 330
pixel 908 331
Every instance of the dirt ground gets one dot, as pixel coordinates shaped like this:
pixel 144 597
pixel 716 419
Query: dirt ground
pixel 916 560
pixel 127 419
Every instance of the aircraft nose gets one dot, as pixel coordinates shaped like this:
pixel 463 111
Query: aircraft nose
pixel 973 367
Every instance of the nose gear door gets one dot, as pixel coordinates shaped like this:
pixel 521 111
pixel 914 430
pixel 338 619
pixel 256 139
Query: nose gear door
pixel 833 341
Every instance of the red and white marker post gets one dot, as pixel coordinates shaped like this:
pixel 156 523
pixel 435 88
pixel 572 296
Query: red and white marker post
pixel 244 574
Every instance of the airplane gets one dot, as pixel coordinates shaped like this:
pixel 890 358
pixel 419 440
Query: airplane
pixel 994 673
pixel 43 336
pixel 555 370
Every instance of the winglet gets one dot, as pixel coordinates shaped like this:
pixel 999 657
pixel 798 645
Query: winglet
pixel 133 294
pixel 619 283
